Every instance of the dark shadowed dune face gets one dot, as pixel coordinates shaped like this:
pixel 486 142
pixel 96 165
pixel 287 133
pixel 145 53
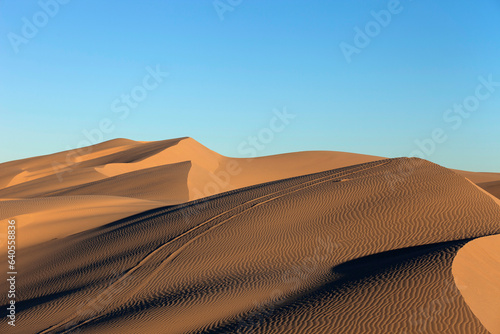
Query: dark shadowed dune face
pixel 362 249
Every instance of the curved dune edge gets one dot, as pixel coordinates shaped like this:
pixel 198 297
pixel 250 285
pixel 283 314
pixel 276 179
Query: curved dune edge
pixel 496 200
pixel 478 177
pixel 491 187
pixel 476 270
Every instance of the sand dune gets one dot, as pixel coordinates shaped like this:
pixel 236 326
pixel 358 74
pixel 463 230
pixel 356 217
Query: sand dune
pixel 166 183
pixel 24 170
pixel 67 171
pixel 42 219
pixel 405 291
pixel 347 250
pixel 491 187
pixel 478 178
pixel 137 176
pixel 476 270
pixel 487 181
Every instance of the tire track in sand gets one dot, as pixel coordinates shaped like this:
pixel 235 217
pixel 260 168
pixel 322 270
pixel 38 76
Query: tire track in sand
pixel 231 213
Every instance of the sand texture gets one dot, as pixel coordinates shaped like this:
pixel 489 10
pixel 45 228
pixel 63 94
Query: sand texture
pixel 335 243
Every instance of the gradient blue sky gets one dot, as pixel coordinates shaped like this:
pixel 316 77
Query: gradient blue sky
pixel 227 76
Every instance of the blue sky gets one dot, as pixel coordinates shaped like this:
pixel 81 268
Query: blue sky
pixel 232 64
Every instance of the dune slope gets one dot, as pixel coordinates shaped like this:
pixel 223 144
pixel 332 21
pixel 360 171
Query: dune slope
pixel 476 270
pixel 134 177
pixel 345 250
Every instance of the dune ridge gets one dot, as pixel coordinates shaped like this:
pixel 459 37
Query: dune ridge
pixel 136 176
pixel 344 250
pixel 491 187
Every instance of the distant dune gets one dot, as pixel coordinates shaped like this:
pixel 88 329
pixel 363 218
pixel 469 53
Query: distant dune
pixel 171 237
pixel 52 194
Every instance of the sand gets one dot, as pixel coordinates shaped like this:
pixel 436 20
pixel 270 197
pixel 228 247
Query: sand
pixel 307 242
pixel 363 247
pixel 491 187
pixel 479 178
pixel 476 270
pixel 42 219
pixel 487 181
pixel 63 193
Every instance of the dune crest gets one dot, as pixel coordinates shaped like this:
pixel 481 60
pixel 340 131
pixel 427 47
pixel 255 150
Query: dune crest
pixel 487 181
pixel 476 270
pixel 145 175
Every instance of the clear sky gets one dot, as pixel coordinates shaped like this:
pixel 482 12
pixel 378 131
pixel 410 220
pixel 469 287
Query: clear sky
pixel 364 76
